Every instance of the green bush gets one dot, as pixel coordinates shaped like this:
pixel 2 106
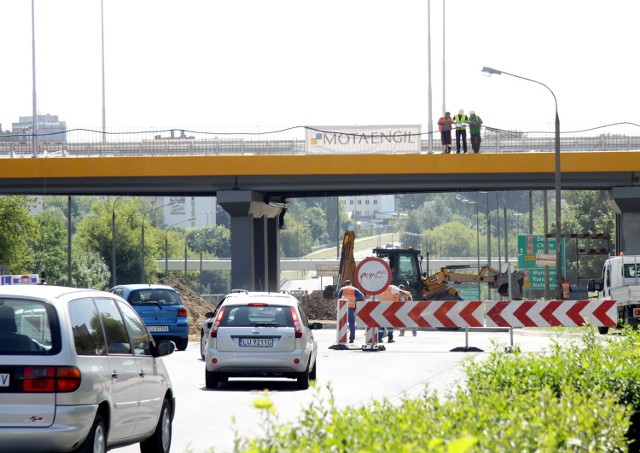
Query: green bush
pixel 591 365
pixel 575 397
pixel 483 422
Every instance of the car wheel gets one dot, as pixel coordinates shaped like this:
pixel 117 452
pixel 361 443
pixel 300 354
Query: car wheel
pixel 303 379
pixel 182 343
pixel 312 374
pixel 203 344
pixel 160 440
pixel 211 379
pixel 603 330
pixel 96 441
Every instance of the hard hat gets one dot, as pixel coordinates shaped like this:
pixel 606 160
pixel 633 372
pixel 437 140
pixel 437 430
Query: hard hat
pixel 401 286
pixel 472 112
pixel 461 112
pixel 347 282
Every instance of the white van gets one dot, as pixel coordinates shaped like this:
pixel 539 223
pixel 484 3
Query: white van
pixel 79 372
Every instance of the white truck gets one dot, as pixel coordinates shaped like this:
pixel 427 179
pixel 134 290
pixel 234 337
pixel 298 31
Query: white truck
pixel 620 282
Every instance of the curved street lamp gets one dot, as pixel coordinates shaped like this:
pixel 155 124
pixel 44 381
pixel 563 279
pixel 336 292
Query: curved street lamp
pixel 166 245
pixel 558 286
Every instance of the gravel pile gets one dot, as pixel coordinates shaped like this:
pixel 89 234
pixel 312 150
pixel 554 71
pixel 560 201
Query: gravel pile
pixel 316 307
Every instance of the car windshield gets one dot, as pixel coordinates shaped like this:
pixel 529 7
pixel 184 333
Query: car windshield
pixel 153 296
pixel 257 315
pixel 28 327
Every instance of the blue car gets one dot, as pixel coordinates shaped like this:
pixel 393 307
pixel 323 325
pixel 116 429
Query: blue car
pixel 161 309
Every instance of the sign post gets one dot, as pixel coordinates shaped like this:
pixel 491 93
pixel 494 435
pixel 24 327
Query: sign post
pixel 372 276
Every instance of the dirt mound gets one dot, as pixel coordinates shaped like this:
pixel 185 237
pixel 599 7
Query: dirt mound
pixel 315 305
pixel 317 308
pixel 196 305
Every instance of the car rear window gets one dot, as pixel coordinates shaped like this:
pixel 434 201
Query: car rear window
pixel 154 296
pixel 28 327
pixel 257 315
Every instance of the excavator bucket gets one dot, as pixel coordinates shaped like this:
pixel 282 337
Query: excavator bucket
pixel 502 285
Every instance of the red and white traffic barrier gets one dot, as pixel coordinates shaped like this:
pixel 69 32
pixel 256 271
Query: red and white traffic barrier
pixel 342 311
pixel 551 313
pixel 428 313
pixel 371 336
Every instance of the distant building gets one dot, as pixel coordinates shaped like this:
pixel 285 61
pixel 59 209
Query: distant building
pixel 195 212
pixel 50 129
pixel 368 206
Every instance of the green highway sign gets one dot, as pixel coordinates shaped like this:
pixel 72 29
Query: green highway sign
pixel 469 294
pixel 532 259
pixel 531 248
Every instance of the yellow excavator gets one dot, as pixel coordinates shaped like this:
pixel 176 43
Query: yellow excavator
pixel 347 267
pixel 406 269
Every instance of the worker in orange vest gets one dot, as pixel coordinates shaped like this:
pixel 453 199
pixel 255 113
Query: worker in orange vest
pixel 352 294
pixel 566 289
pixel 390 294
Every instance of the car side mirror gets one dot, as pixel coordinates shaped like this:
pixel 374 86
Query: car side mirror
pixel 165 347
pixel 592 285
pixel 315 325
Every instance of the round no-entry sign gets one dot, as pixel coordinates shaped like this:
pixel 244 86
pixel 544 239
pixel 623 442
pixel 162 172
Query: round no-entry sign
pixel 373 275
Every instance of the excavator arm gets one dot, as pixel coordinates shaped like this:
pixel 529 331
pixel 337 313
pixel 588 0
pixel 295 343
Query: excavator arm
pixel 441 284
pixel 347 268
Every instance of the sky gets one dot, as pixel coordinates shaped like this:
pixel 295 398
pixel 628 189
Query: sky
pixel 261 65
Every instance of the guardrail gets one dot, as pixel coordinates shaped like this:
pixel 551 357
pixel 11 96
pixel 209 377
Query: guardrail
pixel 90 143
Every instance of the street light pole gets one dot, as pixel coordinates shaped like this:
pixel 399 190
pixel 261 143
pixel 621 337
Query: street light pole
pixel 34 125
pixel 142 249
pixel 478 242
pixel 104 109
pixel 558 185
pixel 113 242
pixel 166 245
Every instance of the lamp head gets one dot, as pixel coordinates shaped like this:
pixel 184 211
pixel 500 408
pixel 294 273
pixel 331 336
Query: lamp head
pixel 489 71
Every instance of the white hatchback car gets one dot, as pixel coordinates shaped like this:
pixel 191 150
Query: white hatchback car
pixel 79 372
pixel 261 335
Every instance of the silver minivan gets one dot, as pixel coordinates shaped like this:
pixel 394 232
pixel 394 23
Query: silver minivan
pixel 79 372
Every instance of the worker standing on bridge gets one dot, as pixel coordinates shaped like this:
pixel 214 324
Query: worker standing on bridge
pixel 445 124
pixel 352 294
pixel 461 130
pixel 475 123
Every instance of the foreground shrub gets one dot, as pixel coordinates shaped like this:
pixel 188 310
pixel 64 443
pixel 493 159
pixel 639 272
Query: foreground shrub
pixel 591 365
pixel 467 422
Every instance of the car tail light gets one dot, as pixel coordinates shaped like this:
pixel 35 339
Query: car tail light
pixel 257 304
pixel 182 312
pixel 51 379
pixel 296 323
pixel 213 333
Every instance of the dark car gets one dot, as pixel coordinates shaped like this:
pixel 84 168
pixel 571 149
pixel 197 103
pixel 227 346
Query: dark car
pixel 161 309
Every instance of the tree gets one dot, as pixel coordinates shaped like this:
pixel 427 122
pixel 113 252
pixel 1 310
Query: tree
pixel 95 234
pixel 49 245
pixel 89 270
pixel 17 228
pixel 587 211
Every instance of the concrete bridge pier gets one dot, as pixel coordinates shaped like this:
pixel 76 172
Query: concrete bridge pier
pixel 626 204
pixel 255 240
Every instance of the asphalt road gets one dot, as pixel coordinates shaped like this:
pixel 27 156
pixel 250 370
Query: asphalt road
pixel 206 420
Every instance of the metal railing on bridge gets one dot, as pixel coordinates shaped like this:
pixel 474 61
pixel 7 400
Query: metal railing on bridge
pixel 291 141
